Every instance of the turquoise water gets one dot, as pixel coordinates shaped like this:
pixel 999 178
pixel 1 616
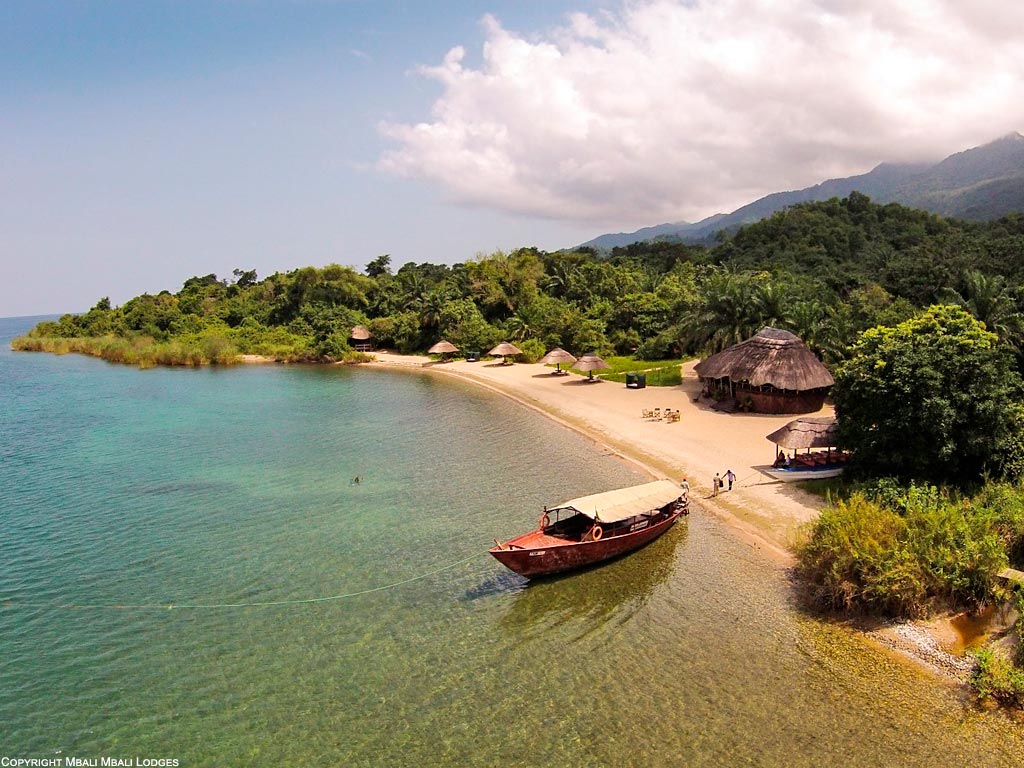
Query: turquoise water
pixel 163 490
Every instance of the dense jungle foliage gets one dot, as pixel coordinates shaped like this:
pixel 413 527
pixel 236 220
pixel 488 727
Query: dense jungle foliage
pixel 827 271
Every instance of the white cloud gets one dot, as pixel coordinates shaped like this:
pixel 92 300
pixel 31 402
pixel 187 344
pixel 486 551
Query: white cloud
pixel 668 110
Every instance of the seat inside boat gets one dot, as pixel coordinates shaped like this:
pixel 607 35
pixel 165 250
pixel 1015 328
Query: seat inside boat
pixel 571 528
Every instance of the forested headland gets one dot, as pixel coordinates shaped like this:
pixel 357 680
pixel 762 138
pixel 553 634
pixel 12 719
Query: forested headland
pixel 827 271
pixel 921 319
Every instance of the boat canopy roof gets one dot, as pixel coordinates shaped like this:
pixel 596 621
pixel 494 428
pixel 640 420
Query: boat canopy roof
pixel 613 506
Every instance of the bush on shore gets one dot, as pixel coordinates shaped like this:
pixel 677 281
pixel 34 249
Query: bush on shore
pixel 903 555
pixel 996 675
pixel 142 351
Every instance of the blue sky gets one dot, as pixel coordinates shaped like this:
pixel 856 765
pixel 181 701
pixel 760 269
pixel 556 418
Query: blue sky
pixel 144 142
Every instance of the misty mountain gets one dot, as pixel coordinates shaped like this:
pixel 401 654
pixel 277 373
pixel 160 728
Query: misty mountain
pixel 979 184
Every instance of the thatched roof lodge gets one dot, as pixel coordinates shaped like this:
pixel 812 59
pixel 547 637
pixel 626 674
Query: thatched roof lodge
pixel 772 372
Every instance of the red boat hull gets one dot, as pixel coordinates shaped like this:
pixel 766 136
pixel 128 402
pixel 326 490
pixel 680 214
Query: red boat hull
pixel 537 554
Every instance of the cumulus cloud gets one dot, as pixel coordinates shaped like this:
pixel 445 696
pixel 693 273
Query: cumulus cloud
pixel 667 110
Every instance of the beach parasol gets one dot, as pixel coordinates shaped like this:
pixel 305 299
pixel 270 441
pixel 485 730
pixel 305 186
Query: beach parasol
pixel 442 348
pixel 503 350
pixel 558 356
pixel 590 363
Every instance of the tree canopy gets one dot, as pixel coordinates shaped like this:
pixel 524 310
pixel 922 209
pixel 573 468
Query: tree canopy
pixel 826 271
pixel 934 398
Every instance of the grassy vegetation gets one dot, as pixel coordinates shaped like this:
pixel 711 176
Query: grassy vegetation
pixel 142 351
pixel 189 350
pixel 659 373
pixel 999 678
pixel 996 676
pixel 906 552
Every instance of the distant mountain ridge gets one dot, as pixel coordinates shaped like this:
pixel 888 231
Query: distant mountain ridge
pixel 979 184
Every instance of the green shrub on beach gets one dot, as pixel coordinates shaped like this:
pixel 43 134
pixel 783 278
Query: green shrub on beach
pixel 533 350
pixel 997 677
pixel 904 560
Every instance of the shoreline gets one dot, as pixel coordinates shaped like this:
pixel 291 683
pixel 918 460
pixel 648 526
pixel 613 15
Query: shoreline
pixel 764 513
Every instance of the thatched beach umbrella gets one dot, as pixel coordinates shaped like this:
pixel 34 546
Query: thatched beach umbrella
pixel 505 349
pixel 558 356
pixel 443 348
pixel 590 363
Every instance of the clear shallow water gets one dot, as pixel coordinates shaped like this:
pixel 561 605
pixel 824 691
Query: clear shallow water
pixel 120 486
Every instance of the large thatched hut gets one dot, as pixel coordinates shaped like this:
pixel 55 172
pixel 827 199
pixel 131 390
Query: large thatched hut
pixel 773 372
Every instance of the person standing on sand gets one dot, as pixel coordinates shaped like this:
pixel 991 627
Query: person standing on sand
pixel 731 477
pixel 685 485
pixel 716 484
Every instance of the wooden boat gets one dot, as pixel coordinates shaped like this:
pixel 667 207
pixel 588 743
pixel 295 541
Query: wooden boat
pixel 592 529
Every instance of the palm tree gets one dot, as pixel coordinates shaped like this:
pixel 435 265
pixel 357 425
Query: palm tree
pixel 430 307
pixel 990 301
pixel 772 303
pixel 725 316
pixel 824 330
pixel 412 286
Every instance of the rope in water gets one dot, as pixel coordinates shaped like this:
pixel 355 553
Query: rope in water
pixel 263 604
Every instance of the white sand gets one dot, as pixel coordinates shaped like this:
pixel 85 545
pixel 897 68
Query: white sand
pixel 767 512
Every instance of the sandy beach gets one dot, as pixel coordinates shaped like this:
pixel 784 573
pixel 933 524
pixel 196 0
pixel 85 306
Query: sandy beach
pixel 765 512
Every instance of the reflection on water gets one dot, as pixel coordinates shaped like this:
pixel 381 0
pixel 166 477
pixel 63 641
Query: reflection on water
pixel 580 602
pixel 504 583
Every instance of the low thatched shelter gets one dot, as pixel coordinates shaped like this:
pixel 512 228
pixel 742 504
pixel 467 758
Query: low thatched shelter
pixel 773 372
pixel 590 363
pixel 806 432
pixel 361 338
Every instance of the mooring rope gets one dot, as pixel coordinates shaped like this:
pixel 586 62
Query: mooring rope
pixel 14 603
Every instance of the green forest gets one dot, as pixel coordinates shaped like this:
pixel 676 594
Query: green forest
pixel 920 318
pixel 827 271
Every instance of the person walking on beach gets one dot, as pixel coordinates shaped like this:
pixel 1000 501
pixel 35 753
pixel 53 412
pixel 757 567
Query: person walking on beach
pixel 731 477
pixel 685 485
pixel 716 484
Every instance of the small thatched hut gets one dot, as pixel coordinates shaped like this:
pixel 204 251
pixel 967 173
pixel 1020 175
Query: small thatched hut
pixel 773 372
pixel 361 338
pixel 806 432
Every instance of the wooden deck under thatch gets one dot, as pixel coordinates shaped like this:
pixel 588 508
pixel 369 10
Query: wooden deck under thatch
pixel 807 432
pixel 362 339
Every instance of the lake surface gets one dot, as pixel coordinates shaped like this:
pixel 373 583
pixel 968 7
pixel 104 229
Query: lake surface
pixel 138 509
